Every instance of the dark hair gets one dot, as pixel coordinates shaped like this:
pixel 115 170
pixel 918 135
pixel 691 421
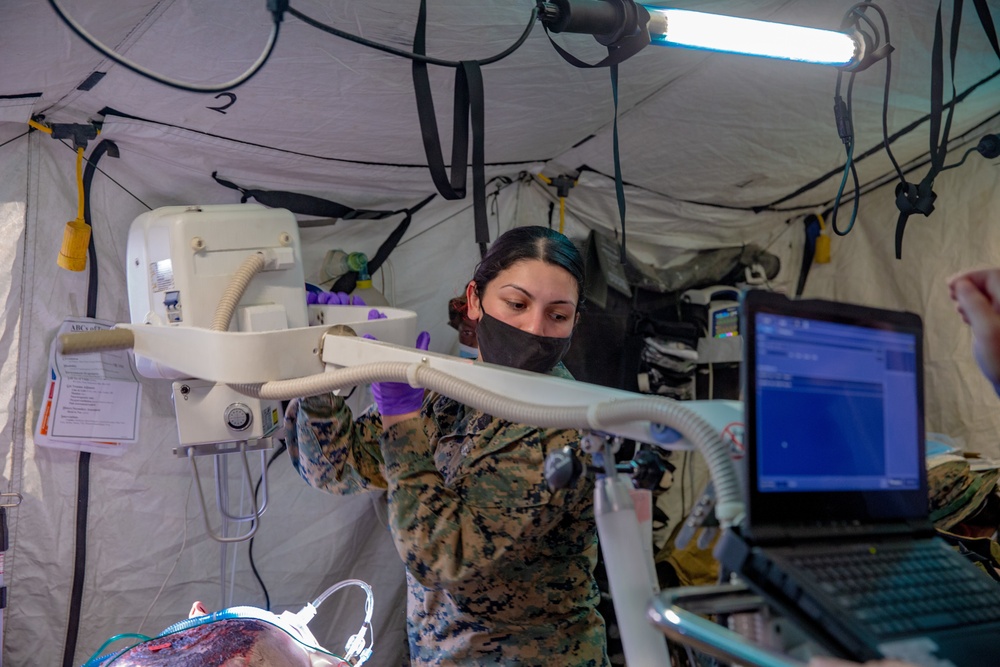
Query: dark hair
pixel 531 242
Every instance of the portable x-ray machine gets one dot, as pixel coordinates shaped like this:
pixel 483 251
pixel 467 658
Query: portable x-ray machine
pixel 231 367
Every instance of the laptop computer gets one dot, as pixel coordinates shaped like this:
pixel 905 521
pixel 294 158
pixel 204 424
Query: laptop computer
pixel 837 532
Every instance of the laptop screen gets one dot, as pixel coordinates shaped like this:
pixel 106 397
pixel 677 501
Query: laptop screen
pixel 834 411
pixel 836 406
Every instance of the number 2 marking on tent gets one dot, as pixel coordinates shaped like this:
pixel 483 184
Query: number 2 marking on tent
pixel 222 109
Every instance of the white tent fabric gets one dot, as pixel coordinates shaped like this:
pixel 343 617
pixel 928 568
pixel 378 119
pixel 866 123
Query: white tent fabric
pixel 706 143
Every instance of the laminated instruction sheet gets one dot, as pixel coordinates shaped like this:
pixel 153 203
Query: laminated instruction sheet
pixel 92 400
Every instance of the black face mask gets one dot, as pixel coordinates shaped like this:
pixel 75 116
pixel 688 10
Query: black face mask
pixel 500 343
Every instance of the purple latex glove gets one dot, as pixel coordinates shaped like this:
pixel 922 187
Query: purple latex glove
pixel 339 299
pixel 398 398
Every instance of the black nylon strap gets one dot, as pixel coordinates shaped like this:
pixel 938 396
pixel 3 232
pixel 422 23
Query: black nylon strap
pixel 900 229
pixel 987 20
pixel 615 56
pixel 619 186
pixel 939 137
pixel 310 205
pixel 477 108
pixel 912 199
pixel 937 85
pixel 453 187
pixel 348 281
pixel 920 198
pixel 468 101
pixel 304 204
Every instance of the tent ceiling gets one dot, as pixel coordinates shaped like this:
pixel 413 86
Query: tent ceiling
pixel 724 130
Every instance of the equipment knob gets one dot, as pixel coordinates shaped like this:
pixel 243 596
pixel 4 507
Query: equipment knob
pixel 238 417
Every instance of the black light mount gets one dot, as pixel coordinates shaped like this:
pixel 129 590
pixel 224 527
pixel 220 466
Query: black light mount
pixel 611 22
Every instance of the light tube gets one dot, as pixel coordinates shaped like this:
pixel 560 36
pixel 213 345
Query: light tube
pixel 714 32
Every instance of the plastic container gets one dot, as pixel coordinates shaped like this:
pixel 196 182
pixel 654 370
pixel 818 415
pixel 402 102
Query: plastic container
pixel 370 295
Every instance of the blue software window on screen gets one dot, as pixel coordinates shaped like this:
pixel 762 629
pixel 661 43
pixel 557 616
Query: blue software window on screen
pixel 836 406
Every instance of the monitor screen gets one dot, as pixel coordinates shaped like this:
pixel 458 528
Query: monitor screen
pixel 837 406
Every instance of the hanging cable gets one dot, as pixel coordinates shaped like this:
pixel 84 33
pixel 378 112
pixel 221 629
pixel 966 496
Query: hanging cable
pixel 988 147
pixel 83 466
pixel 418 57
pixel 920 197
pixel 253 567
pixel 275 6
pixel 843 109
pixel 888 71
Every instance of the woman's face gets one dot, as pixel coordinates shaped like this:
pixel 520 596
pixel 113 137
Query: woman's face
pixel 532 295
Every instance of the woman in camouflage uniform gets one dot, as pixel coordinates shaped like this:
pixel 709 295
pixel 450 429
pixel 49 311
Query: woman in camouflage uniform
pixel 499 568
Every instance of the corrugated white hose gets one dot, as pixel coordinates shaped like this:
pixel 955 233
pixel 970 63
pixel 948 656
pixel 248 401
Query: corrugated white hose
pixel 123 339
pixel 600 416
pixel 250 267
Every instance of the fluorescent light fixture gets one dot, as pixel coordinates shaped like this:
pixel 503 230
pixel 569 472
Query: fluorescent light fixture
pixel 628 26
pixel 715 32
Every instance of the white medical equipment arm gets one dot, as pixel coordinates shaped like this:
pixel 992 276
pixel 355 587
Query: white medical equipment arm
pixel 293 363
pixel 290 363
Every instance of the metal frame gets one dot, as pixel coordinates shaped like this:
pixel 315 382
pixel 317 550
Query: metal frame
pixel 685 626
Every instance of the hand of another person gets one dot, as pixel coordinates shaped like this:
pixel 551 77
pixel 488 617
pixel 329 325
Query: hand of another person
pixel 398 398
pixel 977 295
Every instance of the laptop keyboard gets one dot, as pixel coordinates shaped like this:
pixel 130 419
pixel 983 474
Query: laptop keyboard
pixel 901 589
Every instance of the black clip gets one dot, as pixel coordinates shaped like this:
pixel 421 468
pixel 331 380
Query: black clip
pixel 912 199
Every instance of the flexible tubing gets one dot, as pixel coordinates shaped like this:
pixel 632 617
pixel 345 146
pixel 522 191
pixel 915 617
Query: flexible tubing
pixel 344 584
pixel 250 267
pixel 123 339
pixel 600 416
pixel 230 613
pixel 244 611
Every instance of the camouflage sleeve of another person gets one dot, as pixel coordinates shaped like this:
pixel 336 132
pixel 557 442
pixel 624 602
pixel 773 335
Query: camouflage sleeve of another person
pixel 445 538
pixel 330 449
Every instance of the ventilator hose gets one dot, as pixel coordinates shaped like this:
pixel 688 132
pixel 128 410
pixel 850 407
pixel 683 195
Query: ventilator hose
pixel 601 416
pixel 250 267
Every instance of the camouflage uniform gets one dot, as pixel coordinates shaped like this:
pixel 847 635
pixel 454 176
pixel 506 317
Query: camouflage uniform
pixel 499 569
